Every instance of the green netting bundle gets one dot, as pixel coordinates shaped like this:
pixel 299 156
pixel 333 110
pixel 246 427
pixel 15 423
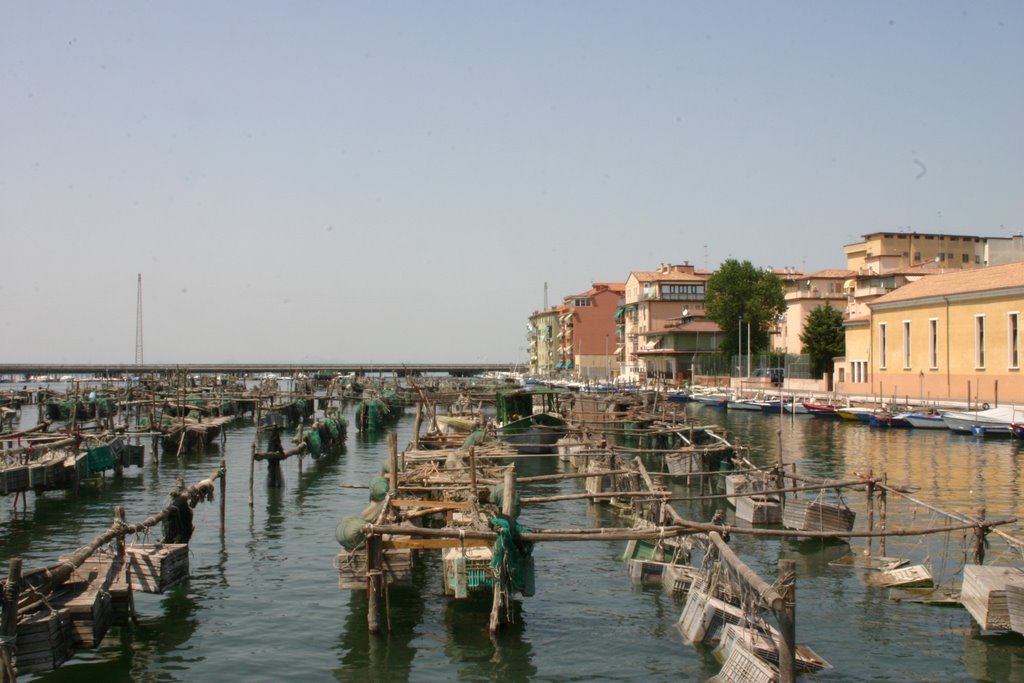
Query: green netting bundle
pixel 372 511
pixel 378 488
pixel 475 438
pixel 349 532
pixel 514 554
pixel 313 444
pixel 332 428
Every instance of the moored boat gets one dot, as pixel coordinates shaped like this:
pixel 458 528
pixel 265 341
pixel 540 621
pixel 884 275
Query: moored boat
pixel 820 409
pixel 994 421
pixel 925 420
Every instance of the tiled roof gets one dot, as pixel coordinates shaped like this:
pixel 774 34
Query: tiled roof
pixel 837 273
pixel 958 282
pixel 660 276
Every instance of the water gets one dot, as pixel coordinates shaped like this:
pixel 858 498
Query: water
pixel 263 604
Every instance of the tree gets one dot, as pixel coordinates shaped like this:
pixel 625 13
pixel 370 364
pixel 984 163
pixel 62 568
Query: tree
pixel 823 338
pixel 739 294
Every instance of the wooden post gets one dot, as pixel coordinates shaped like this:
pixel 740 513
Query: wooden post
pixel 979 538
pixel 9 622
pixel 416 427
pixel 501 581
pixel 995 397
pixel 472 474
pixel 393 462
pixel 787 621
pixel 252 467
pixel 373 583
pixel 883 508
pixel 223 492
pixel 870 509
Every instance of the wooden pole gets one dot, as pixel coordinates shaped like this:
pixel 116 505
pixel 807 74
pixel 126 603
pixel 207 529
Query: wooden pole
pixel 252 467
pixel 416 427
pixel 501 582
pixel 223 493
pixel 373 583
pixel 871 507
pixel 472 474
pixel 787 621
pixel 979 538
pixel 9 622
pixel 393 461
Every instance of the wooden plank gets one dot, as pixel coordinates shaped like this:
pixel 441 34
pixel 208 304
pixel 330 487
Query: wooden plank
pixel 441 504
pixel 434 543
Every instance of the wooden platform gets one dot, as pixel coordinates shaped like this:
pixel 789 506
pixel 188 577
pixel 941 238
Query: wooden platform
pixel 984 593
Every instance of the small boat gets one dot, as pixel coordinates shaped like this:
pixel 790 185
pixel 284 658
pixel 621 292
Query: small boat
pixel 925 420
pixel 736 403
pixel 991 422
pixel 855 414
pixel 714 400
pixel 820 409
pixel 530 418
pixel 885 419
pixel 1017 429
pixel 679 395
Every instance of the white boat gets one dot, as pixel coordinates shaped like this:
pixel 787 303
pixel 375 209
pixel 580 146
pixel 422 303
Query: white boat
pixel 743 404
pixel 982 422
pixel 925 420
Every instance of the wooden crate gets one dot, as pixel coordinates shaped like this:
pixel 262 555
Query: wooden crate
pixel 678 579
pixel 352 568
pixel 90 609
pixel 44 641
pixel 1015 607
pixel 739 663
pixel 759 509
pixel 704 617
pixel 984 594
pixel 155 568
pixel 467 570
pixel 915 576
pixel 805 515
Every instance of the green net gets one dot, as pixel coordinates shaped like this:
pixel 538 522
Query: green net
pixel 513 554
pixel 378 488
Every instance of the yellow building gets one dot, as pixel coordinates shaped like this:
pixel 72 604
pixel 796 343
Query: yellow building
pixel 881 252
pixel 948 336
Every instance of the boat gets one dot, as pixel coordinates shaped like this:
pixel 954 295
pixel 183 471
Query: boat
pixel 925 420
pixel 993 421
pixel 679 395
pixel 820 409
pixel 530 418
pixel 710 399
pixel 855 414
pixel 887 419
pixel 1017 429
pixel 737 403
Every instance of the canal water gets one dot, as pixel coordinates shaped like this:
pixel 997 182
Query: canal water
pixel 263 604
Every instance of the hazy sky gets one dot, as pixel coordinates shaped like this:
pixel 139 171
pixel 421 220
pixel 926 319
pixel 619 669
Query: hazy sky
pixel 385 181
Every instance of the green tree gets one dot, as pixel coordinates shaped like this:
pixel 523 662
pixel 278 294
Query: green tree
pixel 823 338
pixel 739 294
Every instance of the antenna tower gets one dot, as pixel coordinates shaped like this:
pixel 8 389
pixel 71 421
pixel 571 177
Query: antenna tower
pixel 138 324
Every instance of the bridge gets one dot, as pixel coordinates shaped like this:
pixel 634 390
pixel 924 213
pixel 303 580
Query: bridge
pixel 20 372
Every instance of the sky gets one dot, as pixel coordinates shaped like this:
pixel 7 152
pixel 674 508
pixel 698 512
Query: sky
pixel 317 182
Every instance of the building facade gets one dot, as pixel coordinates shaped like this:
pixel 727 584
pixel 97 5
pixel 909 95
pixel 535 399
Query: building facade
pixel 952 335
pixel 654 302
pixel 589 332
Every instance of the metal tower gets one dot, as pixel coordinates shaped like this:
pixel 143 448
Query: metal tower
pixel 138 325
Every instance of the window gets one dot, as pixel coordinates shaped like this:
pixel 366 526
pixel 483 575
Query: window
pixel 842 375
pixel 882 343
pixel 917 256
pixel 581 301
pixel 858 371
pixel 682 292
pixel 942 256
pixel 1013 344
pixel 906 344
pixel 979 342
pixel 933 343
pixel 967 258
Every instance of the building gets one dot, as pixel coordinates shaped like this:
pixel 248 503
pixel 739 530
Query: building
pixel 671 357
pixel 881 252
pixel 654 302
pixel 588 331
pixel 804 293
pixel 543 342
pixel 951 335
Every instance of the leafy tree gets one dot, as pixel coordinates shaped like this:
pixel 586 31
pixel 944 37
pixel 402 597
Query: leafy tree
pixel 823 338
pixel 740 294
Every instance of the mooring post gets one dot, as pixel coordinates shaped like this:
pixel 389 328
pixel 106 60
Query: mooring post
pixel 883 508
pixel 252 468
pixel 393 462
pixel 501 581
pixel 871 507
pixel 472 475
pixel 979 538
pixel 787 621
pixel 416 427
pixel 9 622
pixel 373 583
pixel 223 491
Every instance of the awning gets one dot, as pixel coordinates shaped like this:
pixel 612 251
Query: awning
pixel 618 349
pixel 618 313
pixel 569 365
pixel 559 365
pixel 651 344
